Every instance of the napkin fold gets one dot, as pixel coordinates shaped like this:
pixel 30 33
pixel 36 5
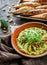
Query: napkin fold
pixel 8 56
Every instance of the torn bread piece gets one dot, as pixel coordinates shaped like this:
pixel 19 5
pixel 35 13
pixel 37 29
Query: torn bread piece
pixel 34 12
pixel 41 16
pixel 42 7
pixel 26 4
pixel 23 10
pixel 26 0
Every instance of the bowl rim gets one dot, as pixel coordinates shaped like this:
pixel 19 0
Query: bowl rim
pixel 21 53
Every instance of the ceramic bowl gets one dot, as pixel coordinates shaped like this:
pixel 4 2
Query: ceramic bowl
pixel 16 32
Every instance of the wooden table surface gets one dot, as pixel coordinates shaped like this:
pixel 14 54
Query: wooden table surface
pixel 19 21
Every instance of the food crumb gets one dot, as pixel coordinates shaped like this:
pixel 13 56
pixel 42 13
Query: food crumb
pixel 14 23
pixel 4 31
pixel 9 8
pixel 11 20
pixel 3 10
pixel 8 15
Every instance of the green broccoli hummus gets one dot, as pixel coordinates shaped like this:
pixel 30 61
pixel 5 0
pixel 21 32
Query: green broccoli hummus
pixel 32 41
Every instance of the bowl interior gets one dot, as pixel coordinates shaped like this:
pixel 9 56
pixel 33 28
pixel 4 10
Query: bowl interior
pixel 22 27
